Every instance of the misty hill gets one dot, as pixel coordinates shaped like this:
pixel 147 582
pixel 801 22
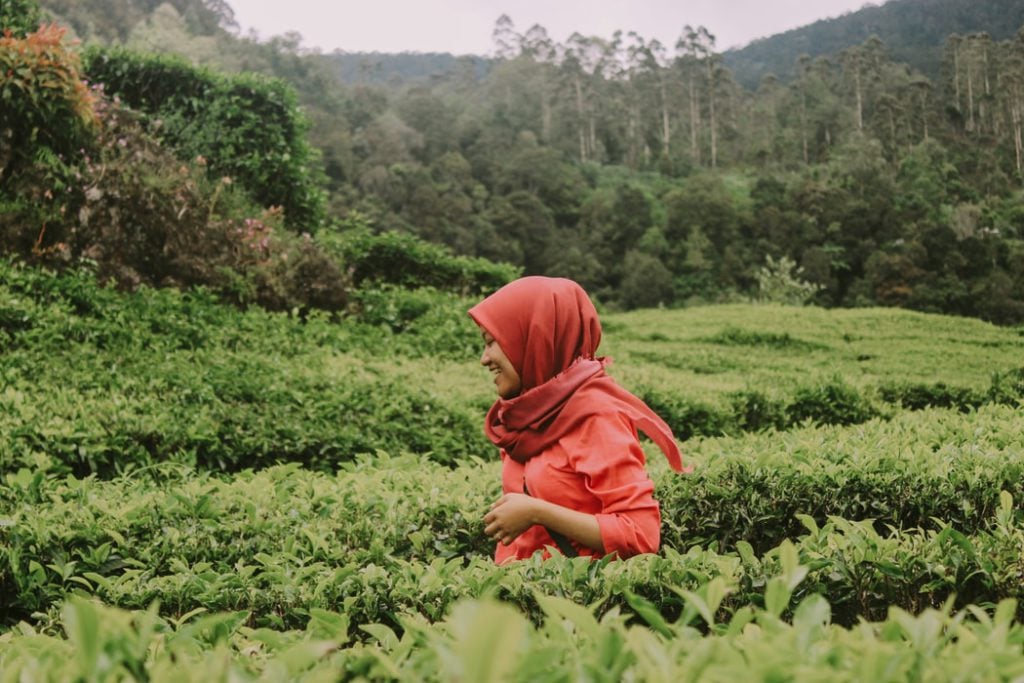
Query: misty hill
pixel 405 67
pixel 913 31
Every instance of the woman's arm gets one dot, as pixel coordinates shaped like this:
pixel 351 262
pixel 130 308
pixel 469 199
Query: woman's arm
pixel 514 513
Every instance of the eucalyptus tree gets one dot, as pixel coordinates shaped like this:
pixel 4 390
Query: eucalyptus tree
pixel 862 73
pixel 691 48
pixel 1010 89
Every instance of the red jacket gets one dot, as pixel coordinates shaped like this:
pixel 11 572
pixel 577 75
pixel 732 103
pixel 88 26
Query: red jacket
pixel 597 469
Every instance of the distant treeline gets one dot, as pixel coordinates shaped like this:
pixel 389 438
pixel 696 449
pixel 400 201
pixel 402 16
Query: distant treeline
pixel 648 173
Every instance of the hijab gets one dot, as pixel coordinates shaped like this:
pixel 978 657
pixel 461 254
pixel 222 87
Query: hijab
pixel 549 330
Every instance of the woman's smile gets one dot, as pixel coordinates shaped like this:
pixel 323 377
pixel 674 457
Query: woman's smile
pixel 506 379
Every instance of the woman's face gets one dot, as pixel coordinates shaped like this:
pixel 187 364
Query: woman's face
pixel 506 379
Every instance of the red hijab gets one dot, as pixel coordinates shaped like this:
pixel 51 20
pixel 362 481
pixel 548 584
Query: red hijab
pixel 549 331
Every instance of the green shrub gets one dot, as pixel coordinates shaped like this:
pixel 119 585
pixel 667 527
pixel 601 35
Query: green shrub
pixel 938 395
pixel 833 402
pixel 754 411
pixel 418 323
pixel 46 117
pixel 246 127
pixel 688 419
pixel 142 217
pixel 1007 387
pixel 735 336
pixel 408 261
pixel 20 17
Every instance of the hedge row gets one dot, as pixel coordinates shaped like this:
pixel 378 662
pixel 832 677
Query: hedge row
pixel 483 640
pixel 833 402
pixel 284 539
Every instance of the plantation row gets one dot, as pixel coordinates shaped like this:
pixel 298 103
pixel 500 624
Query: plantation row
pixel 403 534
pixel 98 382
pixel 482 640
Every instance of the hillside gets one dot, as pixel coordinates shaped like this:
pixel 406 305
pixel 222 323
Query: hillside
pixel 913 32
pixel 160 375
pixel 405 67
pixel 210 494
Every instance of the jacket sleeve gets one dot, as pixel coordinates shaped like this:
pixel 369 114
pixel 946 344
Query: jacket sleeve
pixel 607 453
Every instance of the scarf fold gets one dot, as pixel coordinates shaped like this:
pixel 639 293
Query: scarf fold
pixel 530 423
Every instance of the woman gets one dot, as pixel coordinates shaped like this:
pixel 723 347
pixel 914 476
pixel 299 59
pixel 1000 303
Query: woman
pixel 572 467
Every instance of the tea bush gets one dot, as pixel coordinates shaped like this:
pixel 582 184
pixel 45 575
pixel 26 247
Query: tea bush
pixel 938 395
pixel 161 374
pixel 391 536
pixel 409 262
pixel 483 639
pixel 832 402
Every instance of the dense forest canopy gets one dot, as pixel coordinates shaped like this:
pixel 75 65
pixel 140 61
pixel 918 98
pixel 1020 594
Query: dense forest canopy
pixel 651 175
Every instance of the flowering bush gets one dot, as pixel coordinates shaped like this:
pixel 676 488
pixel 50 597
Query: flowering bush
pixel 47 114
pixel 246 126
pixel 82 178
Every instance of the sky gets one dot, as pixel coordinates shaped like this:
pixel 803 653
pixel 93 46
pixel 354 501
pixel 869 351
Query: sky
pixel 465 26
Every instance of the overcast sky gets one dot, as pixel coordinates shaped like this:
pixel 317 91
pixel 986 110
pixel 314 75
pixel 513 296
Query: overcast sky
pixel 464 26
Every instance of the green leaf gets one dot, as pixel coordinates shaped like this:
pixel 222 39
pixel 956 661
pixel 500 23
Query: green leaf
pixel 776 596
pixel 649 613
pixel 488 638
pixel 384 635
pixel 814 610
pixel 578 616
pixel 326 624
pixel 82 625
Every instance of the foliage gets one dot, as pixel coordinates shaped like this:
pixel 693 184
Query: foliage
pixel 833 402
pixel 887 187
pixel 141 217
pixel 196 381
pixel 779 282
pixel 196 541
pixel 405 261
pixel 937 395
pixel 47 114
pixel 285 541
pixel 911 28
pixel 85 181
pixel 20 17
pixel 245 127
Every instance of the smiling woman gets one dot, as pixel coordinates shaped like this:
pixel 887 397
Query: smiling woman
pixel 573 472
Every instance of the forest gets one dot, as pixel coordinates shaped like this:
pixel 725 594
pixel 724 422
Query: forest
pixel 649 174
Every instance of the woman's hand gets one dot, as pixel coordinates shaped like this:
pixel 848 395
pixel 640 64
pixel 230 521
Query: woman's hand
pixel 510 515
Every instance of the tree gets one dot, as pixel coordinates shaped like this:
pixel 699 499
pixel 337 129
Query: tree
pixel 646 282
pixel 780 282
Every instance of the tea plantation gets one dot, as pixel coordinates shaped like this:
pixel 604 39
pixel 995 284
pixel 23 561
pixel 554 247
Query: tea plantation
pixel 195 492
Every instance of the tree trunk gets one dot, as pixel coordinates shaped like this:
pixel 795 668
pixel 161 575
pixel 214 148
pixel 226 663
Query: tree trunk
pixel 580 118
pixel 711 116
pixel 1016 107
pixel 694 120
pixel 924 115
pixel 666 131
pixel 860 98
pixel 803 126
pixel 956 74
pixel 970 99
